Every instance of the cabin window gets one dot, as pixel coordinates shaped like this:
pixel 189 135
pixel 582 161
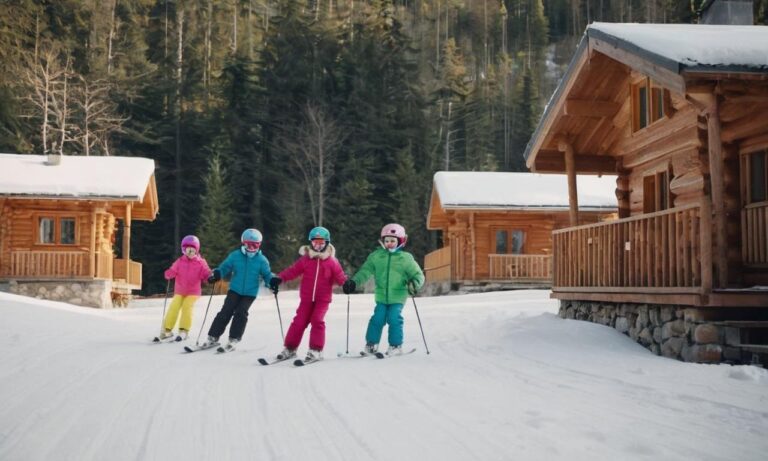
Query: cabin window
pixel 47 231
pixel 648 104
pixel 67 231
pixel 758 177
pixel 510 241
pixel 656 192
pixel 60 231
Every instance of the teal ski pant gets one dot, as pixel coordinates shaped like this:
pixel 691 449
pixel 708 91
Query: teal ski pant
pixel 389 314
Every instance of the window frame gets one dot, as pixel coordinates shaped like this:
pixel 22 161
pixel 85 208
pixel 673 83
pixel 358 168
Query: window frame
pixel 57 229
pixel 509 242
pixel 746 176
pixel 655 197
pixel 650 103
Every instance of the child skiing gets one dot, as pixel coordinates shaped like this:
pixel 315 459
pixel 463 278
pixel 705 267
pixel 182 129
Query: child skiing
pixel 397 274
pixel 189 271
pixel 243 267
pixel 319 269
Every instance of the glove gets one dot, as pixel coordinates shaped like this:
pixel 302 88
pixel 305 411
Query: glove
pixel 215 276
pixel 349 287
pixel 412 290
pixel 274 283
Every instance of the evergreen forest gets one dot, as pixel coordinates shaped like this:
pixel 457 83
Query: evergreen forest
pixel 286 114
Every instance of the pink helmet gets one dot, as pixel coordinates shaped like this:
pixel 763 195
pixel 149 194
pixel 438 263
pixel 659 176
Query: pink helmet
pixel 395 230
pixel 190 241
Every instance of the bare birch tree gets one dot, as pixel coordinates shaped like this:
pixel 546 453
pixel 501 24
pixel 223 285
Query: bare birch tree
pixel 312 147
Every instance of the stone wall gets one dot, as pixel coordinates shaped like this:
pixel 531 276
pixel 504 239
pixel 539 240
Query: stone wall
pixel 672 331
pixel 92 293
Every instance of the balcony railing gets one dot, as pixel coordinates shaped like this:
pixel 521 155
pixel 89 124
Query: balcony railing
pixel 520 267
pixel 754 234
pixel 437 265
pixel 65 264
pixel 127 270
pixel 48 264
pixel 666 251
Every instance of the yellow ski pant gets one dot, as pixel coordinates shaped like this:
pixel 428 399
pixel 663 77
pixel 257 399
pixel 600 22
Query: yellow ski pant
pixel 186 305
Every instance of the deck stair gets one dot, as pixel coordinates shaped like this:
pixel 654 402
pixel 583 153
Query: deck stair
pixel 751 337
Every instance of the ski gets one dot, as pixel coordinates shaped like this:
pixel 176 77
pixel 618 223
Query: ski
pixel 301 363
pixel 346 355
pixel 382 355
pixel 199 348
pixel 266 362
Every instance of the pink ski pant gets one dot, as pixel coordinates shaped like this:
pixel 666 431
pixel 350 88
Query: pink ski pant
pixel 308 313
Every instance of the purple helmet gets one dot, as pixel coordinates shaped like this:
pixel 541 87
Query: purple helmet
pixel 190 241
pixel 395 230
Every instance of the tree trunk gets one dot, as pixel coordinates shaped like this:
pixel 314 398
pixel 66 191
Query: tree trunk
pixel 178 109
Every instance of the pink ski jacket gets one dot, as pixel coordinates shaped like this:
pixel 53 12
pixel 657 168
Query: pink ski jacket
pixel 189 274
pixel 318 272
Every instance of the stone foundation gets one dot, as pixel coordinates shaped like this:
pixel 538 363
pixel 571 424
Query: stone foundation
pixel 92 293
pixel 677 332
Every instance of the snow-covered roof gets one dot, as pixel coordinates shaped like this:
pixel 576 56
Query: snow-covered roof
pixel 513 191
pixel 106 178
pixel 690 47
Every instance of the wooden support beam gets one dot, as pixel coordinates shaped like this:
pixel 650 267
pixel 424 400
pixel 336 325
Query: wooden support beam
pixel 716 174
pixel 554 162
pixel 127 234
pixel 92 259
pixel 587 108
pixel 570 169
pixel 665 77
pixel 743 127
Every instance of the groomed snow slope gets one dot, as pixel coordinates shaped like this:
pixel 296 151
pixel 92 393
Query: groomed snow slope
pixel 506 379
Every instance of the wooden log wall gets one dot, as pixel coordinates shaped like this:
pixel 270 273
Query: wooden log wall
pixel 19 231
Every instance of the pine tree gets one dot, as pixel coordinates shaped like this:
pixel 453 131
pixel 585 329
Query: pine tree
pixel 216 216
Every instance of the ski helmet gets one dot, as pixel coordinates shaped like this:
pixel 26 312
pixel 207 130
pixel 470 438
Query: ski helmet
pixel 251 240
pixel 190 241
pixel 319 233
pixel 251 235
pixel 395 230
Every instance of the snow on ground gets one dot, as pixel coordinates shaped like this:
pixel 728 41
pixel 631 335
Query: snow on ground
pixel 506 379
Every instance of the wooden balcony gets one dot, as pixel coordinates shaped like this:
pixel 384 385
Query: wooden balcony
pixel 127 271
pixel 71 264
pixel 754 234
pixel 444 265
pixel 522 268
pixel 663 252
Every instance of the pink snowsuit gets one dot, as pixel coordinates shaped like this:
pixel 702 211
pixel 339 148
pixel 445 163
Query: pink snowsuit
pixel 189 273
pixel 318 272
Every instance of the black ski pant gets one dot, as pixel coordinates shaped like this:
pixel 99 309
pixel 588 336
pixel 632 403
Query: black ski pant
pixel 235 308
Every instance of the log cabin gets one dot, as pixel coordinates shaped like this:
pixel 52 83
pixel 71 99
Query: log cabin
pixel 680 114
pixel 497 227
pixel 60 220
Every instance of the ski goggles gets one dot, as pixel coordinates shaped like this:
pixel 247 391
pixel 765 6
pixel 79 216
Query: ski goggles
pixel 252 246
pixel 190 251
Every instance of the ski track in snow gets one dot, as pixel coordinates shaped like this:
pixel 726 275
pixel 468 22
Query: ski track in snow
pixel 506 379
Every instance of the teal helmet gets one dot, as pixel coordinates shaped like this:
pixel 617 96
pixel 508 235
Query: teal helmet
pixel 319 233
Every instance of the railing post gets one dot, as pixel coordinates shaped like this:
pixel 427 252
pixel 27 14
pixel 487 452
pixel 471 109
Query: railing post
pixel 705 236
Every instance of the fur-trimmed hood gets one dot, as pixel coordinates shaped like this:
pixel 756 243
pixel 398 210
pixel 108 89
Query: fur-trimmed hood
pixel 329 251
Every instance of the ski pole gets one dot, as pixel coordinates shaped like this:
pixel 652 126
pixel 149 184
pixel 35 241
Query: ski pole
pixel 420 327
pixel 205 316
pixel 279 317
pixel 165 300
pixel 347 324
